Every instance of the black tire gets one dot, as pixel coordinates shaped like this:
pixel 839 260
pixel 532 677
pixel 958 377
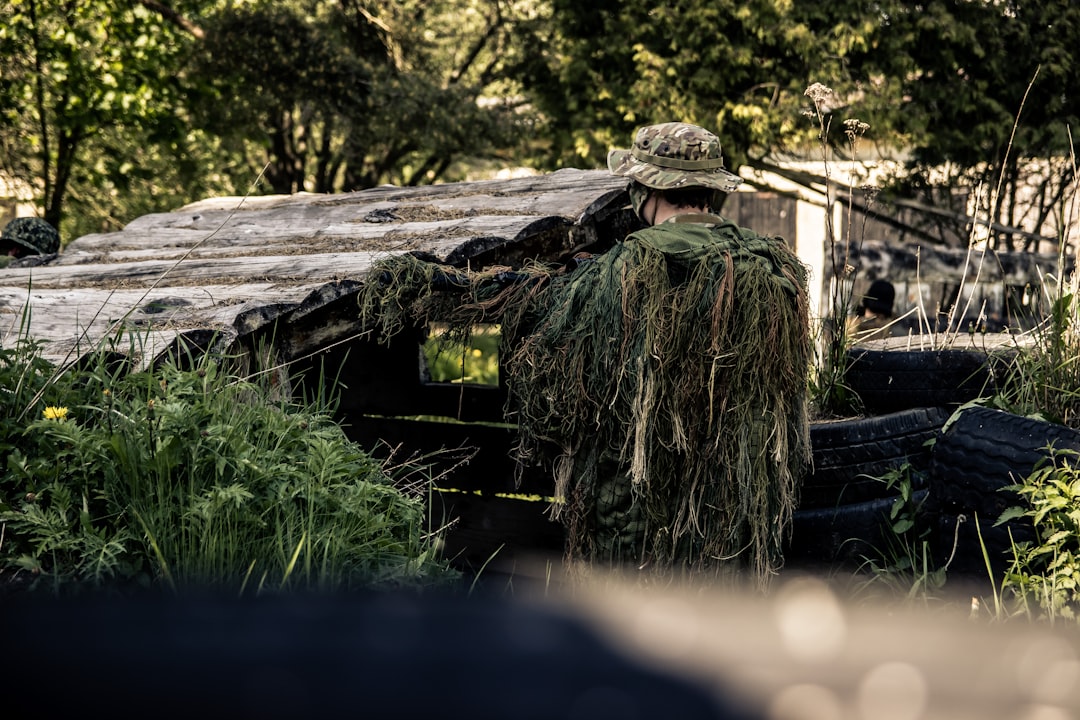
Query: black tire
pixel 984 450
pixel 891 380
pixel 842 536
pixel 957 542
pixel 977 456
pixel 850 455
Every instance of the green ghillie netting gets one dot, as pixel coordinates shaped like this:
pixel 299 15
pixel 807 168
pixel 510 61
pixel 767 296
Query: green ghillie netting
pixel 408 290
pixel 664 383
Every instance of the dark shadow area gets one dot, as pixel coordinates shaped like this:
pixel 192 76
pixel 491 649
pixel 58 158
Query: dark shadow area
pixel 378 656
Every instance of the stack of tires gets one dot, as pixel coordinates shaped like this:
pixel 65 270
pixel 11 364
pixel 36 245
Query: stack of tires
pixel 845 507
pixel 891 380
pixel 962 459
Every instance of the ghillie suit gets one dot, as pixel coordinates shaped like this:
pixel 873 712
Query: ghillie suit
pixel 671 374
pixel 413 290
pixel 664 383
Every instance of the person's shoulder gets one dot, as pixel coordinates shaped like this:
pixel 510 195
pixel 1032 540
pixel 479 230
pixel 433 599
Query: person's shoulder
pixel 643 237
pixel 669 239
pixel 724 226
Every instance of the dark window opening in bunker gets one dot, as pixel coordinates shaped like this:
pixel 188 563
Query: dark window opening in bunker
pixel 472 359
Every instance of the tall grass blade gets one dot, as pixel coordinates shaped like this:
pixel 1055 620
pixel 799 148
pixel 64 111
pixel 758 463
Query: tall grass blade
pixel 292 560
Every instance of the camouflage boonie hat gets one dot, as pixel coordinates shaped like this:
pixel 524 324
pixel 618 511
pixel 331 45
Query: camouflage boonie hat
pixel 674 155
pixel 34 234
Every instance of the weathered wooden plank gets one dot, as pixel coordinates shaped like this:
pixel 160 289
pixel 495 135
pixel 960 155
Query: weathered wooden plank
pixel 765 212
pixel 280 272
pixel 65 320
pixel 236 265
pixel 502 208
pixel 275 235
pixel 144 347
pixel 566 192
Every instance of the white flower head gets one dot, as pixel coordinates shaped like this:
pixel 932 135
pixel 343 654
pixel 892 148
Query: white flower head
pixel 818 93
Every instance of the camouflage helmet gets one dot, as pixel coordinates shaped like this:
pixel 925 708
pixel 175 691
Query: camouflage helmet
pixel 34 234
pixel 674 155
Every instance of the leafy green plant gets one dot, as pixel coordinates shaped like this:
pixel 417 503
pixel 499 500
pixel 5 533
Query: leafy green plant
pixel 23 375
pixel 186 479
pixel 1044 579
pixel 904 565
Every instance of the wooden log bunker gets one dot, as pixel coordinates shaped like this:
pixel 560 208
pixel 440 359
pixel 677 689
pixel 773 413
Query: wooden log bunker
pixel 275 281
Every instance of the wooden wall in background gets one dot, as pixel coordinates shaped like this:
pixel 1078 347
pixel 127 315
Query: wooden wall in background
pixel 763 212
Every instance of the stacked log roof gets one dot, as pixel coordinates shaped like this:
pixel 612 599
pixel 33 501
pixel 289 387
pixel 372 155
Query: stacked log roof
pixel 218 270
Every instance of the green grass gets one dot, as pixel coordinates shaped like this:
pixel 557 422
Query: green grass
pixel 903 569
pixel 194 479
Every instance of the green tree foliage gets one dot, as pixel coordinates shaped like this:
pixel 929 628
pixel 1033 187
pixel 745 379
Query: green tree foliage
pixel 332 96
pixel 116 108
pixel 278 79
pixel 939 81
pixel 447 104
pixel 740 68
pixel 87 87
pixel 967 74
pixel 113 109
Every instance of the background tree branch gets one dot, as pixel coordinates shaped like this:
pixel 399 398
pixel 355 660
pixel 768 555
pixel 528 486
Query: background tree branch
pixel 173 16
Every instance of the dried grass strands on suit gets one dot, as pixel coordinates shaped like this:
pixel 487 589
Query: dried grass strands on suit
pixel 683 355
pixel 404 291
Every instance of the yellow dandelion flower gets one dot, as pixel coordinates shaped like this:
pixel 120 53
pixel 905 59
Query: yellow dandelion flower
pixel 477 352
pixel 55 413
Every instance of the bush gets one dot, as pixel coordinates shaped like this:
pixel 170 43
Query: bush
pixel 1044 579
pixel 186 479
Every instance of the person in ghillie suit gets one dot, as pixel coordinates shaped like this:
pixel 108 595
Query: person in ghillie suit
pixel 670 375
pixel 28 242
pixel 663 382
